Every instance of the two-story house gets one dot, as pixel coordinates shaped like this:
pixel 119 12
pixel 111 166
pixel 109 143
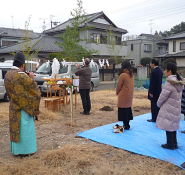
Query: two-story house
pixel 145 45
pixel 97 38
pixel 177 48
pixel 9 36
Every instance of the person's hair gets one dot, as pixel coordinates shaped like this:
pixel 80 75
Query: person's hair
pixel 154 61
pixel 87 61
pixel 171 66
pixel 126 65
pixel 17 63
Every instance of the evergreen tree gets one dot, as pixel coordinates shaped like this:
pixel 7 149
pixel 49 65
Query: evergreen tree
pixel 156 33
pixel 176 29
pixel 71 47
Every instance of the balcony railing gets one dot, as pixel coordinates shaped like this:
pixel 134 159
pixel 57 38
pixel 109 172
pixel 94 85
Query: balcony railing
pixel 159 52
pixel 99 41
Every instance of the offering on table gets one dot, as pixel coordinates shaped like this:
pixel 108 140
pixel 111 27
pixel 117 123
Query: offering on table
pixel 51 81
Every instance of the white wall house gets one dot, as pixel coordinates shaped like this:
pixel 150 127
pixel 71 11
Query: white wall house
pixel 176 48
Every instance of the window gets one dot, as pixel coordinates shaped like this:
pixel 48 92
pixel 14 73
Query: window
pixel 132 47
pixel 96 38
pixel 119 41
pixel 93 68
pixel 174 46
pixel 4 71
pixel 147 48
pixel 63 69
pixel 44 69
pixel 103 39
pixel 182 46
pixel 73 68
pixel 7 43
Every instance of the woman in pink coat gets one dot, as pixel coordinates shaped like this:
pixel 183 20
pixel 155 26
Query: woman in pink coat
pixel 169 103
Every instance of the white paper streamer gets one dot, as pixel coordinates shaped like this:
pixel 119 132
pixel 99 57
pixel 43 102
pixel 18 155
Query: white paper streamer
pixel 83 60
pixel 55 67
pixel 64 63
pixel 47 63
pixel 68 89
pixel 37 64
pixel 92 63
pixel 107 62
pixel 101 63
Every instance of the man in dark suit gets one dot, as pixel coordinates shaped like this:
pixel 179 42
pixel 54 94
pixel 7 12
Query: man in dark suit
pixel 154 88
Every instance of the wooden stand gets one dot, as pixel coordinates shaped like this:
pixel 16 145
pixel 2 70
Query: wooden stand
pixel 53 102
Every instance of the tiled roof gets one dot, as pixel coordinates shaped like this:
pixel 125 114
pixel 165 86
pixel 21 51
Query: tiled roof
pixel 176 36
pixel 46 42
pixel 179 54
pixel 162 55
pixel 157 38
pixel 9 32
pixel 106 27
pixel 91 17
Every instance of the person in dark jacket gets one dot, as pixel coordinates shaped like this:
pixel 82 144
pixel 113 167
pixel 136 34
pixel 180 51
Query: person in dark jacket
pixel 183 102
pixel 84 74
pixel 154 88
pixel 183 105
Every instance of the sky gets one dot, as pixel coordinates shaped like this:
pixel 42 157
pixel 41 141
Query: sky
pixel 136 16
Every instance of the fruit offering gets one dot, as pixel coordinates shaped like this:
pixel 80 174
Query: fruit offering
pixel 51 82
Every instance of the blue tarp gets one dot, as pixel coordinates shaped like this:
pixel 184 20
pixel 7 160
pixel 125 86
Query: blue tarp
pixel 147 83
pixel 142 138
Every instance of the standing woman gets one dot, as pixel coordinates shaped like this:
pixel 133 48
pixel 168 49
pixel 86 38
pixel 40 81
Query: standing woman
pixel 125 91
pixel 169 103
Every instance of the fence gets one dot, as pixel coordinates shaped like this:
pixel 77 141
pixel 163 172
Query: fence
pixel 139 83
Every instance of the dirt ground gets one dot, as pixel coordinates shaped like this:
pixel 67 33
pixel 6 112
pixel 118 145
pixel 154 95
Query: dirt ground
pixel 61 152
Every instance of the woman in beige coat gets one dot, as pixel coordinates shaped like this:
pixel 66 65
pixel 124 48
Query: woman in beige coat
pixel 125 91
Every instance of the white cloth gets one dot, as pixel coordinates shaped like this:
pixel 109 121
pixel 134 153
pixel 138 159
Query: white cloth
pixel 55 67
pixel 76 82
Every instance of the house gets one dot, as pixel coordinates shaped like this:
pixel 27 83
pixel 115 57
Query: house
pixel 176 49
pixel 145 45
pixel 95 38
pixel 9 36
pixel 46 44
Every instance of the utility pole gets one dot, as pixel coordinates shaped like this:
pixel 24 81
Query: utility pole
pixel 151 26
pixel 51 19
pixel 12 22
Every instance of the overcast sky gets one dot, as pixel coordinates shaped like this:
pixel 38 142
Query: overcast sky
pixel 135 16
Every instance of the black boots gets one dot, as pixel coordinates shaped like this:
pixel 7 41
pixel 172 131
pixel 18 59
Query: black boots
pixel 171 141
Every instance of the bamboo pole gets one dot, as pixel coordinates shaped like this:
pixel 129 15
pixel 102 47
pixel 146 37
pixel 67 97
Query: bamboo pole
pixel 75 97
pixel 71 106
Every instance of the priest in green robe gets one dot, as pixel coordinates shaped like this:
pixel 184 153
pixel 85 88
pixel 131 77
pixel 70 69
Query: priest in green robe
pixel 24 95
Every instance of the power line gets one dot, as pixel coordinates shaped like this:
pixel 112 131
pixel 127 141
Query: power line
pixel 152 18
pixel 151 14
pixel 133 6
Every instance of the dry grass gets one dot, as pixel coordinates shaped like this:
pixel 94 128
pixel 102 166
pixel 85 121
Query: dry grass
pixel 61 152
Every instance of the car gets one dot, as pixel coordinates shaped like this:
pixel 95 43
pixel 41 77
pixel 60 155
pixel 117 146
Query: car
pixel 4 67
pixel 45 70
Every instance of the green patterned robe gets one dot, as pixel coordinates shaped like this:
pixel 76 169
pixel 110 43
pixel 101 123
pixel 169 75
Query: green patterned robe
pixel 24 94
